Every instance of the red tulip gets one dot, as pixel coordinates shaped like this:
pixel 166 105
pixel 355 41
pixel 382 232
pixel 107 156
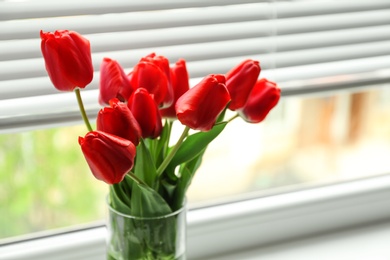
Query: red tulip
pixel 67 57
pixel 113 82
pixel 163 64
pixel 118 120
pixel 201 105
pixel 240 81
pixel 109 157
pixel 180 85
pixel 264 96
pixel 149 76
pixel 161 61
pixel 145 111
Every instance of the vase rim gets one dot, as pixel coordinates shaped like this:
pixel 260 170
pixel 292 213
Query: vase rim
pixel 174 213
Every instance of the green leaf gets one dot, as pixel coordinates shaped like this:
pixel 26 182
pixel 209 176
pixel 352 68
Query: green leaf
pixel 187 172
pixel 159 234
pixel 140 238
pixel 221 117
pixel 145 168
pixel 119 200
pixel 163 142
pixel 146 202
pixel 124 240
pixel 194 144
pixel 168 187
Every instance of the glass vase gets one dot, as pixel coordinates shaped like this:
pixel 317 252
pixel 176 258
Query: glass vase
pixel 131 237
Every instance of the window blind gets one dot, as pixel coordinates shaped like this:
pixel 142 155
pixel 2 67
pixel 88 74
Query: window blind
pixel 296 42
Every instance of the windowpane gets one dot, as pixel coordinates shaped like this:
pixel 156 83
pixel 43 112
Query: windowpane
pixel 45 182
pixel 312 140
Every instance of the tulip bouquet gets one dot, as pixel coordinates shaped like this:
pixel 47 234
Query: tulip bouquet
pixel 131 149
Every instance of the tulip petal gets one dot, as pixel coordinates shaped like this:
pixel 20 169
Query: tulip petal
pixel 240 81
pixel 67 57
pixel 264 96
pixel 149 76
pixel 109 157
pixel 145 111
pixel 201 105
pixel 114 83
pixel 118 120
pixel 180 85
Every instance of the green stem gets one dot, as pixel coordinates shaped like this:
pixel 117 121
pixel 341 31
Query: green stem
pixel 169 125
pixel 169 158
pixel 137 180
pixel 82 109
pixel 228 121
pixel 234 117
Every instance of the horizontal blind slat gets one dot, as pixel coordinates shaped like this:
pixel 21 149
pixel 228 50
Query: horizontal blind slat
pixel 215 53
pixel 25 49
pixel 24 29
pixel 26 10
pixel 332 22
pixel 330 69
pixel 332 38
pixel 288 9
pixel 42 86
pixel 328 54
pixel 113 41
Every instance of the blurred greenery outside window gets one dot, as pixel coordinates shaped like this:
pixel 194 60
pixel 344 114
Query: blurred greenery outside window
pixel 45 182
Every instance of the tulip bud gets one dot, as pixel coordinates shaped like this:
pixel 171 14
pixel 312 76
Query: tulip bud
pixel 109 157
pixel 180 84
pixel 118 120
pixel 201 105
pixel 264 96
pixel 240 81
pixel 163 63
pixel 149 76
pixel 67 57
pixel 145 111
pixel 113 82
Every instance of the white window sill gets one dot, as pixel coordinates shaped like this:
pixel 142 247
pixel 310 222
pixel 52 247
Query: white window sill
pixel 368 242
pixel 261 222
